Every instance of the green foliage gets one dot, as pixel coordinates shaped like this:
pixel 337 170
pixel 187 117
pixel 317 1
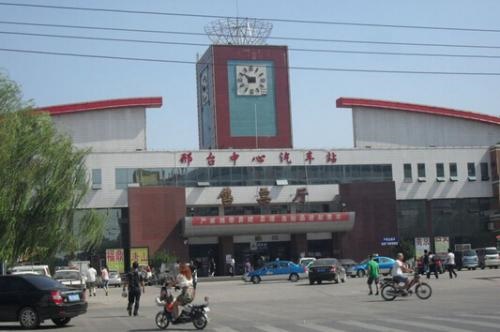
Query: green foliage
pixel 406 247
pixel 42 181
pixel 162 256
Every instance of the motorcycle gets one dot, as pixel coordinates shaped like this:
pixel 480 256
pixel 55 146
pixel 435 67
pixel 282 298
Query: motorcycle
pixel 391 289
pixel 191 313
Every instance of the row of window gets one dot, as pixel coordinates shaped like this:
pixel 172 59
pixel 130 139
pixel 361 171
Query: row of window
pixel 252 175
pixel 440 173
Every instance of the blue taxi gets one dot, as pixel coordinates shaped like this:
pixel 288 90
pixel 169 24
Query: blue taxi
pixel 276 270
pixel 385 264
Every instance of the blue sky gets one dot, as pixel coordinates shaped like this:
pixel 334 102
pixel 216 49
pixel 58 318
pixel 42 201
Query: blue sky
pixel 317 123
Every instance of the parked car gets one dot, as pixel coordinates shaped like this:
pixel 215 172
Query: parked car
pixel 31 269
pixel 326 269
pixel 488 257
pixel 277 270
pixel 114 279
pixel 30 299
pixel 467 260
pixel 385 264
pixel 349 265
pixel 70 278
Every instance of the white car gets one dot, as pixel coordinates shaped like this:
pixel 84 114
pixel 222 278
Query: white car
pixel 70 278
pixel 31 269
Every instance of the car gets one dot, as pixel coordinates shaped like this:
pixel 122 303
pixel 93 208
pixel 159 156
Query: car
pixel 385 264
pixel 114 279
pixel 326 269
pixel 468 260
pixel 31 269
pixel 277 270
pixel 488 257
pixel 306 260
pixel 70 278
pixel 31 299
pixel 348 265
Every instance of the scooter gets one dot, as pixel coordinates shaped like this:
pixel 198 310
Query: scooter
pixel 191 313
pixel 390 289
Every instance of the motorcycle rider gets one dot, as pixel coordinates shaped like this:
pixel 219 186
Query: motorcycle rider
pixel 398 269
pixel 184 281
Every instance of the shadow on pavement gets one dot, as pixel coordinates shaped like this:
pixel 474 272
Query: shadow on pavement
pixel 18 327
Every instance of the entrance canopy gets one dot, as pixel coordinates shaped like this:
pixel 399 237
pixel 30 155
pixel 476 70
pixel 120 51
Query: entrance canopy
pixel 268 223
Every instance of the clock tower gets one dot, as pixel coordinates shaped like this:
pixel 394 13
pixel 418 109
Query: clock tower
pixel 244 97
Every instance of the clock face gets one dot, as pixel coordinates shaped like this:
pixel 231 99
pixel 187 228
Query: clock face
pixel 204 86
pixel 251 80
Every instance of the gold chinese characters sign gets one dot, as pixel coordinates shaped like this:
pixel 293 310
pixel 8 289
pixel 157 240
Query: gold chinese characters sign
pixel 226 197
pixel 264 196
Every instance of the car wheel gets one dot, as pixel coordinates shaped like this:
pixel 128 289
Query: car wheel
pixel 294 277
pixel 311 282
pixel 319 282
pixel 360 273
pixel 343 279
pixel 28 318
pixel 255 279
pixel 61 321
pixel 473 269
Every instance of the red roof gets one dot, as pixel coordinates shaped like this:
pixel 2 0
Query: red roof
pixel 143 102
pixel 406 107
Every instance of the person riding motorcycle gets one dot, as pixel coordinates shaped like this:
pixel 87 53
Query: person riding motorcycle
pixel 398 269
pixel 184 281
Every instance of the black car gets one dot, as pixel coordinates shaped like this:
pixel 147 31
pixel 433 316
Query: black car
pixel 326 269
pixel 30 299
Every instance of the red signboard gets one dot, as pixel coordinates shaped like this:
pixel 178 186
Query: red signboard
pixel 270 219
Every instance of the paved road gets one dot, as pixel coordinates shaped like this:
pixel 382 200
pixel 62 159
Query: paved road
pixel 469 303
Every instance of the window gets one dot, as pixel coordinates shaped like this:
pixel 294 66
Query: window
pixel 407 172
pixel 485 176
pixel 96 178
pixel 421 172
pixel 453 172
pixel 440 172
pixel 471 171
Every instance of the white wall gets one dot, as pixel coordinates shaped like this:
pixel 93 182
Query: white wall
pixel 388 128
pixel 105 130
pixel 109 196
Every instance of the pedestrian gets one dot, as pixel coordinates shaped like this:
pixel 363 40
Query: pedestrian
pixel 450 264
pixel 248 266
pixel 433 265
pixel 211 267
pixel 105 278
pixel 373 274
pixel 134 281
pixel 91 278
pixel 232 265
pixel 425 260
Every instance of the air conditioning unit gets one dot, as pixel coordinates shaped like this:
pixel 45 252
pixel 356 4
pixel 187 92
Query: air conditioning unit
pixel 96 186
pixel 421 179
pixel 282 182
pixel 203 184
pixel 134 185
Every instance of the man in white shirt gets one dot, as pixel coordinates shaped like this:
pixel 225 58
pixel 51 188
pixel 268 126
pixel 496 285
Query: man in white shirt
pixel 398 269
pixel 450 263
pixel 91 277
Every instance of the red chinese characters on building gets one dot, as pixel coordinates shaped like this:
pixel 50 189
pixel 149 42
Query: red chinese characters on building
pixel 285 158
pixel 260 158
pixel 234 157
pixel 309 156
pixel 331 157
pixel 186 158
pixel 211 159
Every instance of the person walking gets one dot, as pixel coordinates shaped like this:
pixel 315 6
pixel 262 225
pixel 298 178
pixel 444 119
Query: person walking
pixel 211 267
pixel 105 278
pixel 450 264
pixel 373 275
pixel 425 260
pixel 91 278
pixel 134 282
pixel 433 266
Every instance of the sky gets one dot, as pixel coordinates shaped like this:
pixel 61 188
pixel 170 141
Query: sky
pixel 316 122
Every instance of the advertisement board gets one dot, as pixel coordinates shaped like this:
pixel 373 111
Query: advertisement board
pixel 115 260
pixel 442 244
pixel 139 255
pixel 421 244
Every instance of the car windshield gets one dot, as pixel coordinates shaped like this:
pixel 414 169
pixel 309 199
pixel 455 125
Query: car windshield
pixel 325 261
pixel 470 253
pixel 490 252
pixel 363 262
pixel 67 275
pixel 42 282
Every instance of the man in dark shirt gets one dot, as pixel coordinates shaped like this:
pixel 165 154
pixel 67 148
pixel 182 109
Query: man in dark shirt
pixel 134 281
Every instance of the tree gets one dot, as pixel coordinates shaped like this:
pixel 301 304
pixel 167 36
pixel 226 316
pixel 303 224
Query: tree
pixel 43 179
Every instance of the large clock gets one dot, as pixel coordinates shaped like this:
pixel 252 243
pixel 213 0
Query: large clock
pixel 251 80
pixel 204 86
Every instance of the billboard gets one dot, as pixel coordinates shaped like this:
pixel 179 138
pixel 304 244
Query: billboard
pixel 421 244
pixel 139 255
pixel 441 243
pixel 115 260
